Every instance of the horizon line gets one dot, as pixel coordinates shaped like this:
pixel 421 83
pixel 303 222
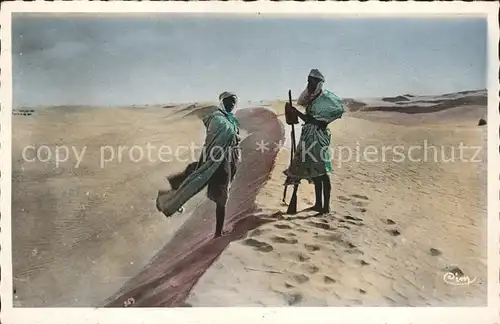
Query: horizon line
pixel 216 101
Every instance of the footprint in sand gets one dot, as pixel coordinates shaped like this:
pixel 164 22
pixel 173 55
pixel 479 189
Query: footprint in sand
pixel 435 252
pixel 319 225
pixel 293 299
pixel 390 221
pixel 300 279
pixel 363 262
pixel 337 238
pixel 329 280
pixel 354 250
pixel 259 246
pixel 455 270
pixel 363 197
pixel 291 234
pixel 311 269
pixel 394 232
pixel 348 217
pixel 279 239
pixel 354 220
pixel 298 256
pixel 312 247
pixel 343 198
pixel 358 203
pixel 282 226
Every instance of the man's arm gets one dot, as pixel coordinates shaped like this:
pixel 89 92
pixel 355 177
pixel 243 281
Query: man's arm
pixel 300 114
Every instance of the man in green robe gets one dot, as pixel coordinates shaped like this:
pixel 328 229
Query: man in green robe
pixel 216 167
pixel 312 158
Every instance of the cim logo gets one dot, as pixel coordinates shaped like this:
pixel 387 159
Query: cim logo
pixel 458 279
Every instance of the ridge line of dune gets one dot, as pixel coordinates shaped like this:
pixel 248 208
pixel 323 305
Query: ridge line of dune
pixel 171 274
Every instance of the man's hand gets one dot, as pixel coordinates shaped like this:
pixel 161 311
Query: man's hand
pixel 289 107
pixel 291 110
pixel 291 114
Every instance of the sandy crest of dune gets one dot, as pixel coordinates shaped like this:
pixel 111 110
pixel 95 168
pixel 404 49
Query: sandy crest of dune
pixel 396 229
pixel 80 233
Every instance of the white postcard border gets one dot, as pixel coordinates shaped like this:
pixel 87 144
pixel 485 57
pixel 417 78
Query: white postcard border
pixel 228 315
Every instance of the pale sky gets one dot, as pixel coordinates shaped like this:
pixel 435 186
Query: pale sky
pixel 126 60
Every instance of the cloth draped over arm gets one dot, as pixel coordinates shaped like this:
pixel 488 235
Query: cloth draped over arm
pixel 221 140
pixel 327 107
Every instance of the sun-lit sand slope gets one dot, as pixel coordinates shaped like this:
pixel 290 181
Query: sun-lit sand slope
pixel 168 278
pixel 397 227
pixel 80 233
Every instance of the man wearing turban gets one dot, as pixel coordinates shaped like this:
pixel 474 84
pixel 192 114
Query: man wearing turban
pixel 216 167
pixel 312 158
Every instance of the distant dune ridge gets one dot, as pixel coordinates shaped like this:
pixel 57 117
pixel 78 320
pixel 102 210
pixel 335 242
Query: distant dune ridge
pixel 396 227
pixel 419 104
pixel 461 106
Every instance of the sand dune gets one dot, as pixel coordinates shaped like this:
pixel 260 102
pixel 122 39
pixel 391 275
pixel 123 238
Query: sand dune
pixel 396 230
pixel 462 108
pixel 80 233
pixel 167 280
pixel 91 236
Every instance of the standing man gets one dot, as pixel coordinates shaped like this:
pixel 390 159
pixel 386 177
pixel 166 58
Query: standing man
pixel 216 167
pixel 312 158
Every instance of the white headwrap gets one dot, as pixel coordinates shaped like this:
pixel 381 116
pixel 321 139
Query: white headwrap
pixel 223 96
pixel 306 97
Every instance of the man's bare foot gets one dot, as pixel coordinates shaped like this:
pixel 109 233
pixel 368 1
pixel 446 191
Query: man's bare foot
pixel 315 208
pixel 323 212
pixel 217 235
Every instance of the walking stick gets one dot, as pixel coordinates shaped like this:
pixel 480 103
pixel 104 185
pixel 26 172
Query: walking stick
pixel 291 119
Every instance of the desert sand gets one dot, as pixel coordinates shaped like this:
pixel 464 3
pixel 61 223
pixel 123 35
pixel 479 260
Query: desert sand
pixel 80 233
pixel 91 236
pixel 395 230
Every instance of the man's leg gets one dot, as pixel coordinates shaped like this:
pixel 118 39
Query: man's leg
pixel 218 192
pixel 318 190
pixel 292 206
pixel 327 189
pixel 220 215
